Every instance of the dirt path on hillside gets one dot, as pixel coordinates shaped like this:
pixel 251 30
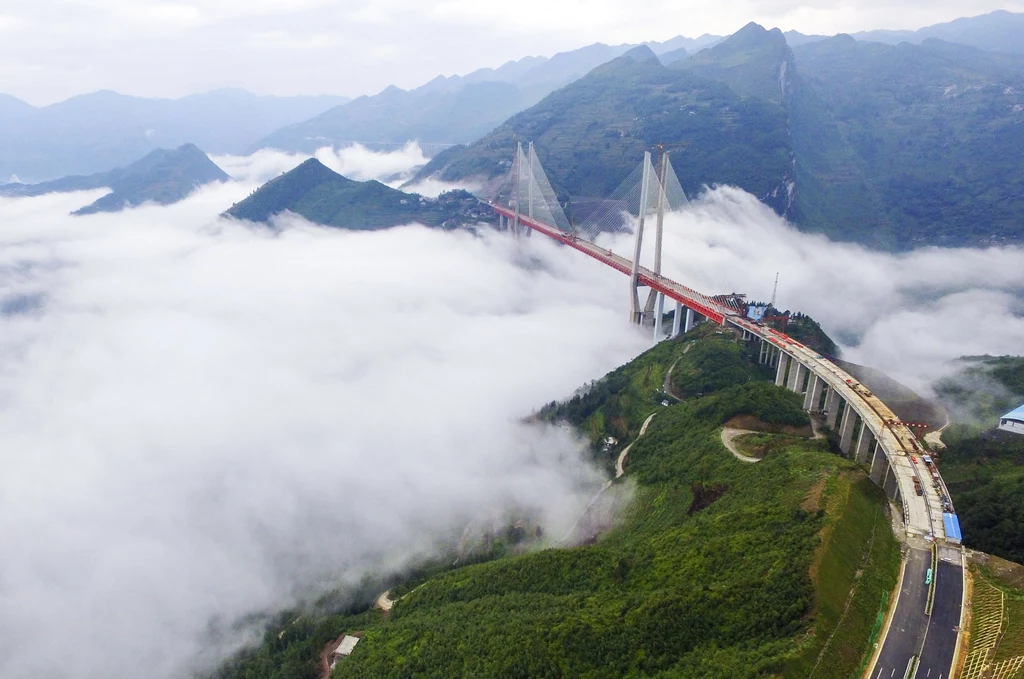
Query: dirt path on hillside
pixel 816 427
pixel 728 434
pixel 620 470
pixel 667 386
pixel 934 438
pixel 620 463
pixel 384 601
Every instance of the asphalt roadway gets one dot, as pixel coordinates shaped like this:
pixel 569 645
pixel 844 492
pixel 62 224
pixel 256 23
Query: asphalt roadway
pixel 912 632
pixel 940 643
pixel 909 623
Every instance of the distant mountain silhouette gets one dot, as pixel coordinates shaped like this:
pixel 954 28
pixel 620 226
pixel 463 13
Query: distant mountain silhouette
pixel 456 109
pixel 94 132
pixel 163 177
pixel 998 31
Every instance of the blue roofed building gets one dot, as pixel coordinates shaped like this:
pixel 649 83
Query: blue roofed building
pixel 1013 421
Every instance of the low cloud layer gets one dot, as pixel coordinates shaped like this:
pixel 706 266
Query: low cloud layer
pixel 393 167
pixel 202 418
pixel 907 314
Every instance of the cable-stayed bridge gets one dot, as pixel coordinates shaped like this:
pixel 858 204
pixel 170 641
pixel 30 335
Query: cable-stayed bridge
pixel 931 587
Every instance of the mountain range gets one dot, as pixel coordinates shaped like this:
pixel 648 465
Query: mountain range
pixel 893 146
pixel 94 132
pixel 460 109
pixel 455 109
pixel 162 176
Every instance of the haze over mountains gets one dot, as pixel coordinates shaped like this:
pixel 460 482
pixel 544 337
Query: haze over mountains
pixel 455 109
pixel 103 130
pixel 459 109
pixel 162 176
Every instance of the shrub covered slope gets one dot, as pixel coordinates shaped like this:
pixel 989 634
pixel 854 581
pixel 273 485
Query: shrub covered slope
pixel 752 581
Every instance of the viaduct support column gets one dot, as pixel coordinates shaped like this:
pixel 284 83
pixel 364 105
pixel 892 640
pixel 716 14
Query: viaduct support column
pixel 689 319
pixel 846 429
pixel 832 403
pixel 864 440
pixel 813 397
pixel 797 373
pixel 892 486
pixel 780 373
pixel 677 320
pixel 878 464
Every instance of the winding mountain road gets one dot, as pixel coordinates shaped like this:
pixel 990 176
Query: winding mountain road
pixel 621 461
pixel 728 434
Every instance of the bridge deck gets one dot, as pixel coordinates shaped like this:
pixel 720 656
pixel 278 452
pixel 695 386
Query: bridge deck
pixel 897 440
pixel 922 514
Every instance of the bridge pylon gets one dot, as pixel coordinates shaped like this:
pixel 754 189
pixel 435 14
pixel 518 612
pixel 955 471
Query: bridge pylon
pixel 652 185
pixel 636 312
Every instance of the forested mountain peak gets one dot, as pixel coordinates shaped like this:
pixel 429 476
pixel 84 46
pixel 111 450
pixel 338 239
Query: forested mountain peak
pixel 323 196
pixel 754 62
pixel 162 176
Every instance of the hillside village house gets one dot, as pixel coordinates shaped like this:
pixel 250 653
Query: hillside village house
pixel 344 649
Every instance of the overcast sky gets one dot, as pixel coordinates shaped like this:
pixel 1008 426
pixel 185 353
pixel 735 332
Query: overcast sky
pixel 53 49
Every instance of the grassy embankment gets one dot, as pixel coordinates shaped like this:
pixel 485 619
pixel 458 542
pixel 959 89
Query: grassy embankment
pixel 752 579
pixel 997 620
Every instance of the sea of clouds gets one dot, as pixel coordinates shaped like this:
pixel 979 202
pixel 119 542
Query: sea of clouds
pixel 909 314
pixel 203 419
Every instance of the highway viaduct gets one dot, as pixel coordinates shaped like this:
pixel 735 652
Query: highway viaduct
pixel 922 630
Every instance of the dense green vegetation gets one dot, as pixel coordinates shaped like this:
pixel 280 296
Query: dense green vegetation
pixel 717 568
pixel 325 197
pixel 163 177
pixel 617 404
pixel 928 143
pixel 985 475
pixel 984 469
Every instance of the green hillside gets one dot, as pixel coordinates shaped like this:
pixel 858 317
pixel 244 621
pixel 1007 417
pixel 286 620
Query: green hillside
pixel 718 568
pixel 750 62
pixel 925 140
pixel 323 196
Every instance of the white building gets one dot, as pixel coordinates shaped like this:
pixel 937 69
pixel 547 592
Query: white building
pixel 1013 421
pixel 344 649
